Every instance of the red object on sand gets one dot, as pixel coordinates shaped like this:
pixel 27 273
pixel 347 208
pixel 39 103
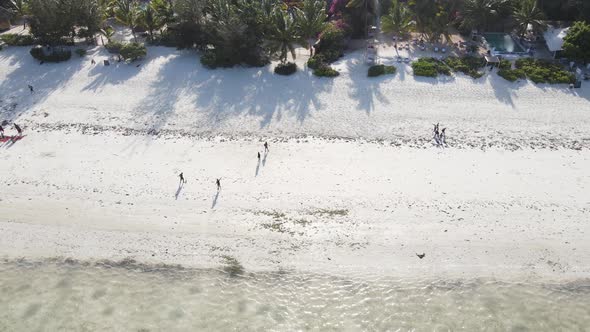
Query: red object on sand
pixel 10 138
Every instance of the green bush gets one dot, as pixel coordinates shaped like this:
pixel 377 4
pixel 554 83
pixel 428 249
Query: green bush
pixel 316 61
pixel 468 65
pixel 331 44
pixel 133 51
pixel 114 46
pixel 286 68
pixel 505 64
pixel 511 74
pixel 381 70
pixel 326 71
pixel 542 71
pixel 209 60
pixel 14 39
pixel 81 52
pixel 56 55
pixel 429 67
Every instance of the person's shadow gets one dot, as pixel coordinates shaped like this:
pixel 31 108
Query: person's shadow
pixel 257 168
pixel 215 199
pixel 264 159
pixel 180 186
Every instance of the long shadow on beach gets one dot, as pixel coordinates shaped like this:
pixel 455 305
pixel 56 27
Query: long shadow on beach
pixel 180 186
pixel 215 200
pixel 46 79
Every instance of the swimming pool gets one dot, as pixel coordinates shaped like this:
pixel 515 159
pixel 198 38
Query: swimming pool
pixel 502 43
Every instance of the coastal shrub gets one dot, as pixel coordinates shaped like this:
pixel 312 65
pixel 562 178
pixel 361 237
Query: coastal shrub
pixel 542 71
pixel 133 51
pixel 114 46
pixel 52 55
pixel 14 39
pixel 511 74
pixel 315 61
pixel 332 42
pixel 209 60
pixel 505 64
pixel 81 52
pixel 286 68
pixel 377 70
pixel 429 67
pixel 576 43
pixel 326 71
pixel 468 65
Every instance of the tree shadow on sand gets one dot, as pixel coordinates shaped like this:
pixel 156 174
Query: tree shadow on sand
pixel 258 92
pixel 365 90
pixel 224 94
pixel 46 79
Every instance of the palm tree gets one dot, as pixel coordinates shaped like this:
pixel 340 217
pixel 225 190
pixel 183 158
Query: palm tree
pixel 283 35
pixel 424 12
pixel 127 12
pixel 163 11
pixel 311 20
pixel 528 13
pixel 478 14
pixel 108 32
pixel 398 21
pixel 150 20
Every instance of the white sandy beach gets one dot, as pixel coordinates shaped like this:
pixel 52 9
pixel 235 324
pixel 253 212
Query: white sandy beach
pixel 352 183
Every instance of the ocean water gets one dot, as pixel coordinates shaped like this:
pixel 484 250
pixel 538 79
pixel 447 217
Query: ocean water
pixel 59 295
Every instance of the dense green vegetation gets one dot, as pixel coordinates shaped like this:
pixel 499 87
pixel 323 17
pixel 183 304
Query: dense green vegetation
pixel 286 68
pixel 17 40
pixel 378 70
pixel 576 44
pixel 540 71
pixel 247 32
pixel 50 54
pixel 430 67
pixel 81 52
pixel 511 74
pixel 326 71
pixel 133 51
pixel 468 65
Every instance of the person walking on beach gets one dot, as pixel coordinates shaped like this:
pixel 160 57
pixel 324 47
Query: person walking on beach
pixel 1 132
pixel 182 180
pixel 218 183
pixel 265 147
pixel 18 129
pixel 258 156
pixel 92 62
pixel 443 137
pixel 31 89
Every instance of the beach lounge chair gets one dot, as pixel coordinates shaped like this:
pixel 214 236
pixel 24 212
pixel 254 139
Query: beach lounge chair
pixel 407 60
pixel 436 49
pixel 399 59
pixel 444 50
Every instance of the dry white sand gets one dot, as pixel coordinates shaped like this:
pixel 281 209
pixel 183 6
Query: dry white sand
pixel 352 182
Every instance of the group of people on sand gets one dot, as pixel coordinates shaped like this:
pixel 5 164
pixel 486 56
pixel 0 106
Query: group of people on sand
pixel 218 180
pixel 440 137
pixel 19 130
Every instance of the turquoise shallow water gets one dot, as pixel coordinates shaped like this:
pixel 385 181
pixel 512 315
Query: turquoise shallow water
pixel 125 296
pixel 502 42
